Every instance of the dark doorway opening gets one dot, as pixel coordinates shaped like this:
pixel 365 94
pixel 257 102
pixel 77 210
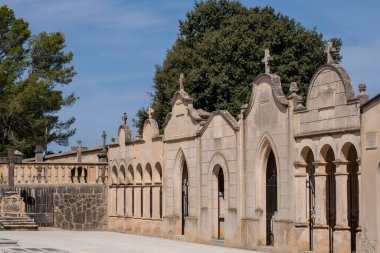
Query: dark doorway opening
pixel 331 196
pixel 221 204
pixel 185 196
pixel 353 195
pixel 271 197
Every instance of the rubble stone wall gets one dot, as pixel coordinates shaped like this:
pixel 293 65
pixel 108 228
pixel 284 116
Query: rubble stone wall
pixel 72 207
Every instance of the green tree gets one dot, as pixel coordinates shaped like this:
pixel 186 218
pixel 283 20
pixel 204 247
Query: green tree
pixel 31 67
pixel 219 49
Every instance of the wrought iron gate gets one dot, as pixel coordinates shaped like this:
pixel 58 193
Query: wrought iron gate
pixel 185 201
pixel 39 205
pixel 310 187
pixel 271 203
pixel 353 205
pixel 331 203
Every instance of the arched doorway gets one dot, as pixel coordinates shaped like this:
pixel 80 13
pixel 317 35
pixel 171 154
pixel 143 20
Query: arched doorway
pixel 185 196
pixel 310 170
pixel 271 197
pixel 218 201
pixel 330 195
pixel 221 204
pixel 353 194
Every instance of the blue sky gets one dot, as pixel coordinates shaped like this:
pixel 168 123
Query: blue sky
pixel 117 43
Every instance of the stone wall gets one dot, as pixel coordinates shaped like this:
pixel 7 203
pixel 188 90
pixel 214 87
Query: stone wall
pixel 73 207
pixel 80 207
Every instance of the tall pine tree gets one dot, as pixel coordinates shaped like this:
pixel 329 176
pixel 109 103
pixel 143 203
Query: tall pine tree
pixel 31 67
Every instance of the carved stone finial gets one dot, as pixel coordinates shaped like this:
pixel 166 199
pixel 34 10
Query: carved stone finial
pixel 181 81
pixel 266 60
pixel 293 87
pixel 124 118
pixel 79 143
pixel 363 97
pixel 150 112
pixel 138 136
pixel 362 88
pixel 104 136
pixel 113 140
pixel 329 50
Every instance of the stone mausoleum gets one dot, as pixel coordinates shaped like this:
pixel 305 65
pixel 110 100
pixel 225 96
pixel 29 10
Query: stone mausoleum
pixel 286 175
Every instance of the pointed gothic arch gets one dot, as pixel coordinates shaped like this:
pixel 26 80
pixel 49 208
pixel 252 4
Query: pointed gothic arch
pixel 181 191
pixel 218 194
pixel 267 167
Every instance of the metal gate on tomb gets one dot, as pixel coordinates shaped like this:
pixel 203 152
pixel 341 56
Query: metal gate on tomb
pixel 310 189
pixel 185 197
pixel 353 205
pixel 39 205
pixel 271 197
pixel 331 204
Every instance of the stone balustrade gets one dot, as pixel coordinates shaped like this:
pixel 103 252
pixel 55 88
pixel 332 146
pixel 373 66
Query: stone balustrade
pixel 60 173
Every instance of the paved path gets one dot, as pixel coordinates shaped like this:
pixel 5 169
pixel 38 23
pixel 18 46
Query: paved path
pixel 104 242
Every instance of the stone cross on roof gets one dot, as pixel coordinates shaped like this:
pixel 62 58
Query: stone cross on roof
pixel 181 81
pixel 104 136
pixel 330 49
pixel 267 59
pixel 124 118
pixel 150 112
pixel 293 87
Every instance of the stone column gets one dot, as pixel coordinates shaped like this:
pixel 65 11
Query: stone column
pixel 301 206
pixel 137 199
pixel 359 229
pixel 146 199
pixel 81 177
pixel 128 201
pixel 67 174
pixel 49 173
pixel 28 176
pixel 156 202
pixel 359 173
pixel 320 232
pixel 35 174
pixel 120 212
pixel 75 178
pixel 341 230
pixel 112 201
pixel 19 173
pixel 44 175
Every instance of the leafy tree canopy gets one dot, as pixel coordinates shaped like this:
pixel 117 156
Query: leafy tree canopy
pixel 220 46
pixel 31 66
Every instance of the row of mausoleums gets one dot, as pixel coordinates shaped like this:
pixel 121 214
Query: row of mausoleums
pixel 284 176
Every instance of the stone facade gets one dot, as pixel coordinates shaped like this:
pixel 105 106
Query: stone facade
pixel 284 176
pixel 73 207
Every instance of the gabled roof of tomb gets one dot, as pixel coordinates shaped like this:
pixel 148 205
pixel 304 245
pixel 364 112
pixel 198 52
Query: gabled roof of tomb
pixel 181 94
pixel 226 115
pixel 199 115
pixel 275 83
pixel 342 73
pixel 154 126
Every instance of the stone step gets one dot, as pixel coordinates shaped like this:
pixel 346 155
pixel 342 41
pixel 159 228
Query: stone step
pixel 218 242
pixel 15 218
pixel 17 223
pixel 179 237
pixel 266 248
